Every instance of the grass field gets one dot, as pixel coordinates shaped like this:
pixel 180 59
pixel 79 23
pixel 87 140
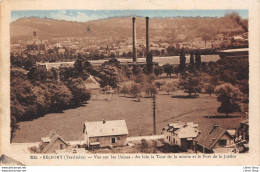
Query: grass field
pixel 138 116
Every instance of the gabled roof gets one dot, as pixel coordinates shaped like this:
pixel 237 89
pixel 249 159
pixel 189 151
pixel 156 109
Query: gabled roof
pixel 187 132
pixel 91 83
pixel 210 135
pixel 105 128
pixel 51 137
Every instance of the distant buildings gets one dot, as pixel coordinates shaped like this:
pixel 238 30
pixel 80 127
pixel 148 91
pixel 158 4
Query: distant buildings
pixel 105 133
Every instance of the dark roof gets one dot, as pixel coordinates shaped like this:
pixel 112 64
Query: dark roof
pixel 210 135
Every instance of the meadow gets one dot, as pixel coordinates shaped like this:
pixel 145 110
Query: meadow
pixel 138 116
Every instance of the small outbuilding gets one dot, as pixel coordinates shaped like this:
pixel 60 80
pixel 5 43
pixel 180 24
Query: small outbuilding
pixel 105 133
pixel 52 142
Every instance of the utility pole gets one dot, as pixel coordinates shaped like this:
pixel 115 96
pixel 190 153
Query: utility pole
pixel 154 119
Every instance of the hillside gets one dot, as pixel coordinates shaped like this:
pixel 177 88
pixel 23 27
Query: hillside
pixel 119 28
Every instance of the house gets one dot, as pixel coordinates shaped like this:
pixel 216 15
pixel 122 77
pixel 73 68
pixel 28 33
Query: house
pixel 92 85
pixel 214 139
pixel 105 133
pixel 52 142
pixel 181 134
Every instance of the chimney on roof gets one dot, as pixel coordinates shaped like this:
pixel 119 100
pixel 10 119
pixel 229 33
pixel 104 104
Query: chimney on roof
pixel 216 126
pixel 147 35
pixel 104 121
pixel 134 40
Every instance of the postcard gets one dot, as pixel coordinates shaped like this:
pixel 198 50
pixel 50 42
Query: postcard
pixel 129 82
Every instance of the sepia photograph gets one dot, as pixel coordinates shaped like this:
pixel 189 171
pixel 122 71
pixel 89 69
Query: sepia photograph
pixel 107 83
pixel 129 81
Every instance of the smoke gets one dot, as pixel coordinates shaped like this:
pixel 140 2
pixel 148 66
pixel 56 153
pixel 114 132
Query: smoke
pixel 235 16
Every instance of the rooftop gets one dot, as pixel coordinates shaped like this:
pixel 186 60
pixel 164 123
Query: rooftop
pixel 105 128
pixel 210 135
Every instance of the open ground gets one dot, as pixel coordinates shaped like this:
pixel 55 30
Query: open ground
pixel 138 116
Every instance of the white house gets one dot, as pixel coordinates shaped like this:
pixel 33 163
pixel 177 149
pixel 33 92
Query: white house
pixel 181 134
pixel 105 133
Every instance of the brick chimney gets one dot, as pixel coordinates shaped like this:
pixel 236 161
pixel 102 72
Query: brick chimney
pixel 147 35
pixel 134 40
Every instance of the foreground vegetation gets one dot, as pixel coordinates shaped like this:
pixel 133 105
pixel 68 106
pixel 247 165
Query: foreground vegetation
pixel 37 91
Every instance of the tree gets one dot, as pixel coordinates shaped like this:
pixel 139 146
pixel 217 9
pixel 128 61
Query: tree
pixel 39 73
pixel 158 85
pixel 209 88
pixel 150 89
pixel 168 69
pixel 78 65
pixel 60 96
pixel 158 70
pixel 149 62
pixel 190 84
pixel 191 58
pixel 135 90
pixel 79 91
pixel 230 98
pixel 124 90
pixel 182 61
pixel 169 87
pixel 197 60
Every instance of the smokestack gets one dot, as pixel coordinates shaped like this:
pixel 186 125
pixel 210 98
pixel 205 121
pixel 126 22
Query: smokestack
pixel 134 40
pixel 147 35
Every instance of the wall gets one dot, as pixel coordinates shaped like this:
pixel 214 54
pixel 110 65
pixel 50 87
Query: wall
pixel 106 141
pixel 56 146
pixel 226 137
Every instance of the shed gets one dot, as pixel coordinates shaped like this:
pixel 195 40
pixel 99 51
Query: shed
pixel 52 142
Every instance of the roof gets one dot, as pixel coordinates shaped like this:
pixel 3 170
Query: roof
pixel 187 132
pixel 210 135
pixel 235 50
pixel 91 83
pixel 51 137
pixel 105 128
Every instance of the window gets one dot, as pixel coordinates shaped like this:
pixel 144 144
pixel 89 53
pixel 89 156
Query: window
pixel 118 138
pixel 61 146
pixel 97 140
pixel 169 138
pixel 222 142
pixel 113 140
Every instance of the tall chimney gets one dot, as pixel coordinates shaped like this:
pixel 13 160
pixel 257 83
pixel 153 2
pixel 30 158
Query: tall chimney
pixel 134 40
pixel 147 35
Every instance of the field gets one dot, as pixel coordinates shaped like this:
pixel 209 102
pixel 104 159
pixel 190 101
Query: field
pixel 138 116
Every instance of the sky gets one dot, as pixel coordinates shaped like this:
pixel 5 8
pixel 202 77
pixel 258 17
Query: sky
pixel 88 15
